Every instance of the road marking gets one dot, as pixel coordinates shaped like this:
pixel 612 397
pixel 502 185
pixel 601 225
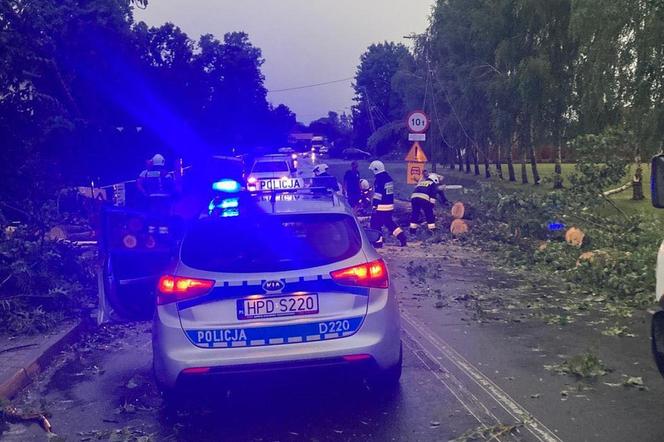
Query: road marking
pixel 470 402
pixel 511 406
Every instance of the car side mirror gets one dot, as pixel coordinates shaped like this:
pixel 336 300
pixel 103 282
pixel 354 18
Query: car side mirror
pixel 657 340
pixel 657 181
pixel 373 235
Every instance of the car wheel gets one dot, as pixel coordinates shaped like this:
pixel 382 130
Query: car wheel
pixel 387 379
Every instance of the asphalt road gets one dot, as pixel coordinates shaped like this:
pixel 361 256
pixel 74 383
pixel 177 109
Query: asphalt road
pixel 475 365
pixel 460 375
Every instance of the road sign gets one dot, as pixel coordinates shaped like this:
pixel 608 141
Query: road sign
pixel 417 161
pixel 418 122
pixel 415 172
pixel 416 154
pixel 417 137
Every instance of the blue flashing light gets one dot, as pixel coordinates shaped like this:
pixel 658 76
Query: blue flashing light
pixel 227 213
pixel 229 203
pixel 226 186
pixel 556 226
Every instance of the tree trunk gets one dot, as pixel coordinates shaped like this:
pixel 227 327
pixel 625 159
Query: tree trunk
pixel 524 170
pixel 533 160
pixel 476 161
pixel 459 159
pixel 533 166
pixel 467 160
pixel 487 172
pixel 499 162
pixel 558 170
pixel 510 164
pixel 637 182
pixel 446 155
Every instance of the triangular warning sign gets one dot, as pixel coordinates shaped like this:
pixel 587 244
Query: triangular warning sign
pixel 416 154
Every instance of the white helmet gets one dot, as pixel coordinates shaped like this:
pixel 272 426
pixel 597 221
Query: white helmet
pixel 364 185
pixel 320 169
pixel 435 178
pixel 158 160
pixel 377 167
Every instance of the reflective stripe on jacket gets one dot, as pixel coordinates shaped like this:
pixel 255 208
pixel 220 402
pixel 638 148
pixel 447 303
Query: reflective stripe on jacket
pixel 383 198
pixel 426 190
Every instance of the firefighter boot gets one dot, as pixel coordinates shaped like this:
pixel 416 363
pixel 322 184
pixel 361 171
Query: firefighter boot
pixel 402 239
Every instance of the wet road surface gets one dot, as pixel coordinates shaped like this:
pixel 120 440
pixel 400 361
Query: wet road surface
pixel 105 390
pixel 476 352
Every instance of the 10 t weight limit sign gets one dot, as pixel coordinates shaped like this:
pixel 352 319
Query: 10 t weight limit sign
pixel 418 122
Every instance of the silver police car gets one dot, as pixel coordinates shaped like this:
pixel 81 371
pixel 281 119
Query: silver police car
pixel 276 281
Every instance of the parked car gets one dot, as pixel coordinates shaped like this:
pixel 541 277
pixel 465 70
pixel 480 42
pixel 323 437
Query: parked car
pixel 272 172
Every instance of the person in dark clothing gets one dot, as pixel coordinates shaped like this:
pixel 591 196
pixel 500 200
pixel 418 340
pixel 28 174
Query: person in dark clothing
pixel 423 201
pixel 322 178
pixel 351 185
pixel 383 204
pixel 157 184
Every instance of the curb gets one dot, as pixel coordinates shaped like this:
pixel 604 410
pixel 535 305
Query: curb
pixel 24 376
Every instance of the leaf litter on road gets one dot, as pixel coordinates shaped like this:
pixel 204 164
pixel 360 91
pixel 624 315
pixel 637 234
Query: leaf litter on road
pixel 631 382
pixel 584 365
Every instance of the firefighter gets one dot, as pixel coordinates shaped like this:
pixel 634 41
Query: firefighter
pixel 423 200
pixel 322 178
pixel 383 204
pixel 440 188
pixel 157 184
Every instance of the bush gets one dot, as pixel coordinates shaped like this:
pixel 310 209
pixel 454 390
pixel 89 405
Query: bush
pixel 620 251
pixel 42 282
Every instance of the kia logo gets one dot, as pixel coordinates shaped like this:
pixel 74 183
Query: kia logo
pixel 273 286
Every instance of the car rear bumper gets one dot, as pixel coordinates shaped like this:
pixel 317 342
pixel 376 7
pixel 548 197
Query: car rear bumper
pixel 376 345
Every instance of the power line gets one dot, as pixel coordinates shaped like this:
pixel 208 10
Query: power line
pixel 311 85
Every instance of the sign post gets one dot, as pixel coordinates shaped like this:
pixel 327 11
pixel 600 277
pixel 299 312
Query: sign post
pixel 418 123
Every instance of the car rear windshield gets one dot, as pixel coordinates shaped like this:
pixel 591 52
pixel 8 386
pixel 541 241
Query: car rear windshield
pixel 270 166
pixel 270 243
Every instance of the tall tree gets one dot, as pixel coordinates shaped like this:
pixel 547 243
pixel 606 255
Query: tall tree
pixel 376 103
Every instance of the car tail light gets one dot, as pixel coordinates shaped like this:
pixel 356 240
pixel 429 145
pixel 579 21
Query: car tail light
pixel 196 370
pixel 371 274
pixel 356 358
pixel 174 289
pixel 129 241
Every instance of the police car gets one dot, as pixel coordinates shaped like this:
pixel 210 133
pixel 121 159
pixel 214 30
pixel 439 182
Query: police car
pixel 274 172
pixel 278 281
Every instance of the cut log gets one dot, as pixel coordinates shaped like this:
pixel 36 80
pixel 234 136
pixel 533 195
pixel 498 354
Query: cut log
pixel 575 236
pixel 591 257
pixel 461 211
pixel 458 210
pixel 459 227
